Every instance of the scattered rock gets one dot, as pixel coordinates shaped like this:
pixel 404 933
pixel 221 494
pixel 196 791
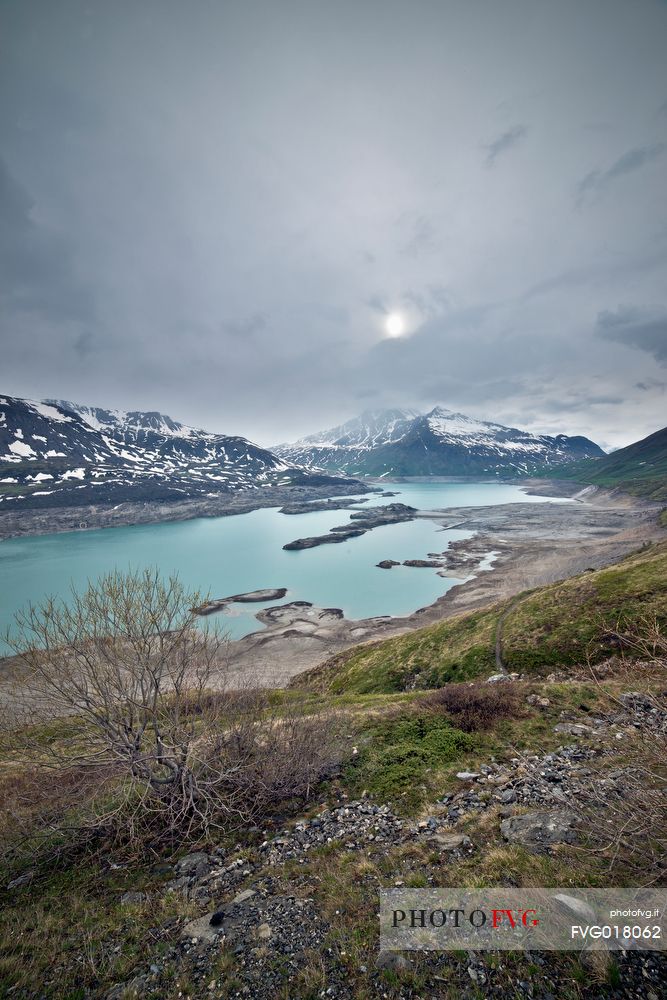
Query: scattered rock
pixel 634 701
pixel 506 796
pixel 387 563
pixel 579 907
pixel 181 884
pixel 356 825
pixel 573 729
pixel 538 830
pixel 477 973
pixel 128 991
pixel 536 699
pixel 451 841
pixel 393 961
pixel 243 896
pixel 202 929
pixel 194 864
pixel 18 883
pixel 467 775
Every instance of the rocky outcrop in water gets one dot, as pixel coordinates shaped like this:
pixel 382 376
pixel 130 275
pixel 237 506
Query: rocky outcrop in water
pixel 422 563
pixel 319 505
pixel 360 522
pixel 315 540
pixel 275 594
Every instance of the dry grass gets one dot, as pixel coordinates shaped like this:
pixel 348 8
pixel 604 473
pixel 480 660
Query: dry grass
pixel 629 820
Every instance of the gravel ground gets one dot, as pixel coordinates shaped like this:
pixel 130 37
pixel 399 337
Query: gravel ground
pixel 276 937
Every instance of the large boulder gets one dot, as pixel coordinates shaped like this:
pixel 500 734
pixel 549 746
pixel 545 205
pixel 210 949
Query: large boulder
pixel 538 830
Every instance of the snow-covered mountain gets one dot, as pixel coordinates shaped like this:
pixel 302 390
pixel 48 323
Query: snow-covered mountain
pixel 440 443
pixel 57 453
pixel 133 426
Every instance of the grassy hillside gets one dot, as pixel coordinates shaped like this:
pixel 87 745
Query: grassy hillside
pixel 639 469
pixel 553 627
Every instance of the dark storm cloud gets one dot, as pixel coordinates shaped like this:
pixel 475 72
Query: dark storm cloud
pixel 645 329
pixel 212 209
pixel 504 142
pixel 597 181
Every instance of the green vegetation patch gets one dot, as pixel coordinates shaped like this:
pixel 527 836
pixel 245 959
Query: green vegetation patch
pixel 568 622
pixel 400 761
pixel 454 650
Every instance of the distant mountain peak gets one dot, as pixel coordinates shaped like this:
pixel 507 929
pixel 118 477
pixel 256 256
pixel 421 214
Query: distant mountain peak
pixel 440 442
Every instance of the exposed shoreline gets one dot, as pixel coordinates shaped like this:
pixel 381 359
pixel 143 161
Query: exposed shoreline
pixel 53 520
pixel 89 517
pixel 533 544
pixel 27 522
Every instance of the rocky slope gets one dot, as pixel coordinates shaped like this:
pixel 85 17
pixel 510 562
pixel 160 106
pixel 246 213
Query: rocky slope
pixel 59 454
pixel 407 443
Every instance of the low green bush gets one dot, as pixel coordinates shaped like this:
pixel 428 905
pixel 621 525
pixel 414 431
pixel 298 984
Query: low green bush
pixel 402 756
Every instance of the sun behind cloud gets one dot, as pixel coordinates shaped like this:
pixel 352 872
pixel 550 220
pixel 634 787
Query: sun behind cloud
pixel 394 325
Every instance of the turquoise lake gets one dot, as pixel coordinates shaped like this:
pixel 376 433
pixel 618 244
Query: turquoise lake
pixel 230 555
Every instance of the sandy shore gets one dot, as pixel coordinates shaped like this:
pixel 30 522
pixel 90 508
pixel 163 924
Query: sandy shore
pixel 534 544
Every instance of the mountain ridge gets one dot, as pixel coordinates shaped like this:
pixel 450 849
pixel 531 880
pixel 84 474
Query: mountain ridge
pixel 639 468
pixel 56 453
pixel 439 442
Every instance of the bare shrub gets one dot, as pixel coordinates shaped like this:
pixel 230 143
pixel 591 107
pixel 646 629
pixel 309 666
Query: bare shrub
pixel 140 690
pixel 476 707
pixel 271 754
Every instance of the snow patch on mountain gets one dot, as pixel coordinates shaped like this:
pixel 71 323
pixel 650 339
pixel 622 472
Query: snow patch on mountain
pixel 440 442
pixel 110 454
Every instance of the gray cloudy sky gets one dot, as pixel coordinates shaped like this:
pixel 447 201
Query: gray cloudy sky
pixel 211 207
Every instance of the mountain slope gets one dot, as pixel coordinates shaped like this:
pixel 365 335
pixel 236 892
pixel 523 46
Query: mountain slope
pixel 640 468
pixel 407 443
pixel 560 626
pixel 61 454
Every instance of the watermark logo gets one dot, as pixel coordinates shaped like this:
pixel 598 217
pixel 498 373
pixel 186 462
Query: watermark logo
pixel 510 919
